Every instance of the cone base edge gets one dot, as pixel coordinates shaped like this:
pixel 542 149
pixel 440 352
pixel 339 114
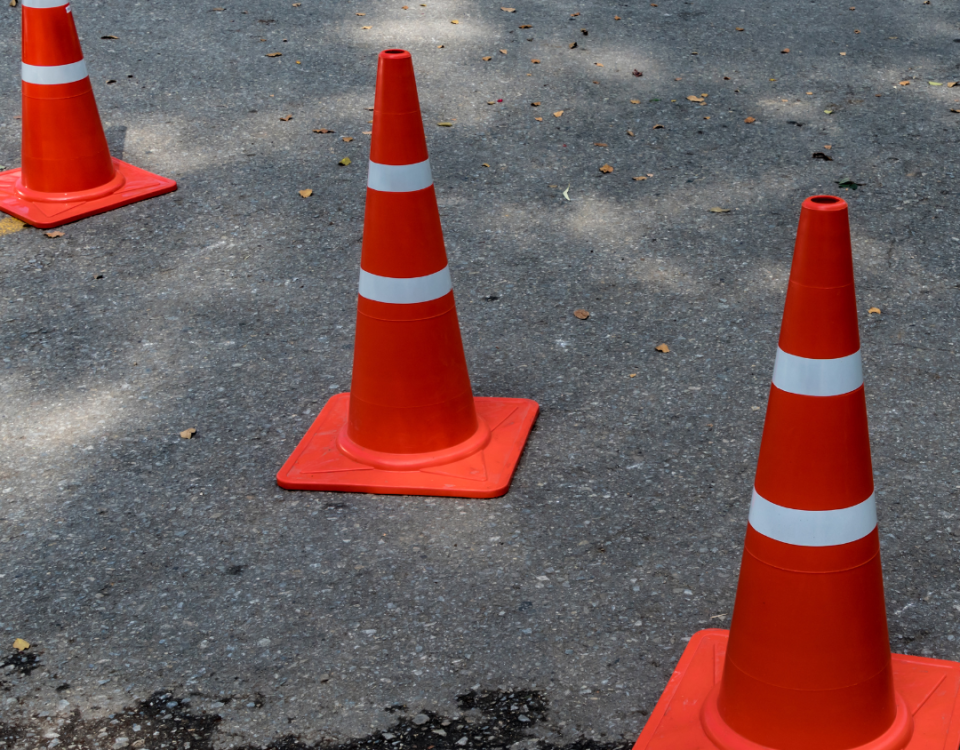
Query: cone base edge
pixel 317 464
pixel 138 185
pixel 929 687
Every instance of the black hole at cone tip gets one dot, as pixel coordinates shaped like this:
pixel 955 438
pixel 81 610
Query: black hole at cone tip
pixel 825 199
pixel 394 51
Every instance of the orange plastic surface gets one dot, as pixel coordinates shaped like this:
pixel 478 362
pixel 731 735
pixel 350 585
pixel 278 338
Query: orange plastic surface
pixel 928 693
pixel 318 463
pixel 138 184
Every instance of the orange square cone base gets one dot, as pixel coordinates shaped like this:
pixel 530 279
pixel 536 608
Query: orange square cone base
pixel 319 464
pixel 930 688
pixel 136 185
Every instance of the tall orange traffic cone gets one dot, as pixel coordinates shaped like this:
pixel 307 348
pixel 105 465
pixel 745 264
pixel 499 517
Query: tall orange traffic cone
pixel 806 664
pixel 66 172
pixel 410 424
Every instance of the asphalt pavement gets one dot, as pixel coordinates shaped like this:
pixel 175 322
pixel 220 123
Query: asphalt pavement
pixel 175 597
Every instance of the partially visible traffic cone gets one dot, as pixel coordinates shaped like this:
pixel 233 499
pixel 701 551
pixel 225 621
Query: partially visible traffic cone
pixel 806 664
pixel 410 424
pixel 66 171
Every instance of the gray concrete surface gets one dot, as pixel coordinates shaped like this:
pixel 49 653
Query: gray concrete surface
pixel 147 570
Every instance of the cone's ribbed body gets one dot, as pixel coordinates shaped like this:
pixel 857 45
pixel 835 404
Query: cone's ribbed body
pixel 406 317
pixel 64 148
pixel 410 424
pixel 66 170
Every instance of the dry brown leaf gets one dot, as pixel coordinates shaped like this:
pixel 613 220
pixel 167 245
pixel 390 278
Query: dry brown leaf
pixel 367 132
pixel 344 162
pixel 630 133
pixel 13 3
pixel 366 28
pixel 785 51
pixel 485 165
pixel 951 84
pixel 639 179
pixel 445 124
pixel 109 36
pixel 739 28
pixel 601 145
pixel 534 104
pixel 53 235
pixel 439 46
pixel 361 14
pixel 20 645
pixel 188 433
pixel 286 118
pixel 657 127
pixel 503 52
pixel 694 98
pixel 718 210
pixel 750 120
pixel 574 15
pixel 305 193
pixel 273 54
pixel 843 54
pixel 508 10
pixel 347 138
pixel 572 45
pixel 486 59
pixel 324 130
pixel 581 313
pixel 634 101
pixel 404 7
pixel 538 119
pixel 558 113
pixel 955 111
pixel 616 18
pixel 873 310
pixel 535 61
pixel 296 5
pixel 525 26
pixel 606 169
pixel 904 83
pixel 599 65
pixel 454 21
pixel 662 348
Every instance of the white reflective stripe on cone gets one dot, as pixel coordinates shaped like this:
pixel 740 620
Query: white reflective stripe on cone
pixel 405 291
pixel 813 528
pixel 44 3
pixel 403 178
pixel 817 377
pixel 47 75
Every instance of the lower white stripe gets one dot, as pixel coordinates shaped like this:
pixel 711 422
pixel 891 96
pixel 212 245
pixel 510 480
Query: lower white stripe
pixel 817 377
pixel 51 74
pixel 403 178
pixel 405 291
pixel 813 528
pixel 44 3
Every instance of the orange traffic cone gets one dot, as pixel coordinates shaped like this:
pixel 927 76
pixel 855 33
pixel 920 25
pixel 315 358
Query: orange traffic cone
pixel 806 664
pixel 66 171
pixel 410 424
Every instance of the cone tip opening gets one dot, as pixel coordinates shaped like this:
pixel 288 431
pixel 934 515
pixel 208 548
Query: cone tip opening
pixel 825 203
pixel 395 54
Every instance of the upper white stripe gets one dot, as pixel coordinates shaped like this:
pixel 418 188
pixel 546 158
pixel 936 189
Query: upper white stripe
pixel 403 178
pixel 51 74
pixel 813 528
pixel 44 3
pixel 817 377
pixel 405 291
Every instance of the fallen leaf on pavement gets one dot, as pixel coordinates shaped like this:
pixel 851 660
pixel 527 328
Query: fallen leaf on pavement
pixel 525 26
pixel 606 169
pixel 656 127
pixel 739 28
pixel 454 21
pixel 347 138
pixel 486 59
pixel 509 10
pixel 109 36
pixel 718 210
pixel 601 145
pixel 558 113
pixel 361 14
pixel 639 179
pixel 750 120
pixel 305 193
pixel 581 314
pixel 663 348
pixel 904 83
pixel 693 98
pixel 572 45
pixel 538 119
pixel 445 124
pixel 630 133
pixel 485 165
pixel 344 162
pixel 366 28
pixel 599 65
pixel 785 51
pixel 188 433
pixel 20 645
pixel 951 84
pixel 637 73
pixel 273 54
pixel 503 52
pixel 324 130
pixel 286 118
pixel 955 111
pixel 634 101
pixel 534 104
pixel 566 193
pixel 53 235
pixel 535 61
pixel 873 310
